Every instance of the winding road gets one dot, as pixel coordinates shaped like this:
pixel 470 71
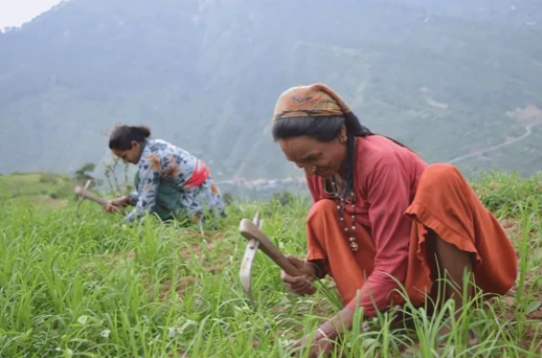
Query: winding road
pixel 528 132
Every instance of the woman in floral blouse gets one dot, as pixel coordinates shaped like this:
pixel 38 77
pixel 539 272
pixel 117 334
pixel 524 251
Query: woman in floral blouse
pixel 170 182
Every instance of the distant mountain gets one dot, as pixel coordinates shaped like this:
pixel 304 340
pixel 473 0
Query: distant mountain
pixel 205 75
pixel 516 13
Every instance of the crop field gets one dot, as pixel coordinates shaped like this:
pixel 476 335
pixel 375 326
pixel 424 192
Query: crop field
pixel 86 286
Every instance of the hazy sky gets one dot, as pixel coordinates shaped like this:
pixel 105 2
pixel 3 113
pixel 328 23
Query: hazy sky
pixel 16 12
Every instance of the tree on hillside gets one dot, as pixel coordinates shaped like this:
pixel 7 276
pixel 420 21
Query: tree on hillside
pixel 82 174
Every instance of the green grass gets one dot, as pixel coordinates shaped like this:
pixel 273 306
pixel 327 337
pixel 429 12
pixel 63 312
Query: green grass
pixel 87 287
pixel 35 184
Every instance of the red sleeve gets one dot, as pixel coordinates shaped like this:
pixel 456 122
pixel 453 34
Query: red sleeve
pixel 388 188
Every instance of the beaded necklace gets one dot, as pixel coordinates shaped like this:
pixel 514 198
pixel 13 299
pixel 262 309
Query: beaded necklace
pixel 340 209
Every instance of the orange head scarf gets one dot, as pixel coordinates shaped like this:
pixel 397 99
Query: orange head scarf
pixel 317 100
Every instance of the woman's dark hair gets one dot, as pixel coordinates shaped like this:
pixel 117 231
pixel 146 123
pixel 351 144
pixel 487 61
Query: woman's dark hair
pixel 323 129
pixel 123 136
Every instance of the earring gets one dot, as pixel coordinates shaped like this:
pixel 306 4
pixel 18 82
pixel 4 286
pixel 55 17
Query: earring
pixel 342 139
pixel 313 170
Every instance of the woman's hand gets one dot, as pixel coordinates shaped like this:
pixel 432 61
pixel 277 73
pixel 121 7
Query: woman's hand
pixel 324 338
pixel 321 344
pixel 116 204
pixel 319 348
pixel 300 285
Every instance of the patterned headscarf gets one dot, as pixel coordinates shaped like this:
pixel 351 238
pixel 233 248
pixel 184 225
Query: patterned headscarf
pixel 317 100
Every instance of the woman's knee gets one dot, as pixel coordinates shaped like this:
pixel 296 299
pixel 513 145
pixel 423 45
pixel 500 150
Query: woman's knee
pixel 322 208
pixel 443 183
pixel 440 174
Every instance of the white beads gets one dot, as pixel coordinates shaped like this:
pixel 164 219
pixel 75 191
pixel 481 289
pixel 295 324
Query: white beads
pixel 352 239
pixel 354 246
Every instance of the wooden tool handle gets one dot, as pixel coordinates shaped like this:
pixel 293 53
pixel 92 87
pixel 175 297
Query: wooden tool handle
pixel 258 220
pixel 251 231
pixel 86 194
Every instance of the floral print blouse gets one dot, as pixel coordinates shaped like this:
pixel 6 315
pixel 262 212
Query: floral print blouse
pixel 160 159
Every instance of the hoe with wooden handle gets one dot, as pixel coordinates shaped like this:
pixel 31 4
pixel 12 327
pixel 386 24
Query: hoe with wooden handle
pixel 251 230
pixel 83 194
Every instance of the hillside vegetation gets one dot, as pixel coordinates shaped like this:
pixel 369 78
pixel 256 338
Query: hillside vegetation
pixel 88 287
pixel 443 77
pixel 32 185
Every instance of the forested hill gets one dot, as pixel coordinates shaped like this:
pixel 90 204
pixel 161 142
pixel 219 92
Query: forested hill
pixel 449 79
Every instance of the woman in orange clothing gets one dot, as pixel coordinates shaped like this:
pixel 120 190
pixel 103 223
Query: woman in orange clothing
pixel 380 212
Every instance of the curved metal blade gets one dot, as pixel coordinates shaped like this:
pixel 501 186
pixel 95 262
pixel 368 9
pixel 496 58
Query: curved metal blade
pixel 246 264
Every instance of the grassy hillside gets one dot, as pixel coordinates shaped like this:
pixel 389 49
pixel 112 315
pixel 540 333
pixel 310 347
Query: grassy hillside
pixel 28 185
pixel 88 287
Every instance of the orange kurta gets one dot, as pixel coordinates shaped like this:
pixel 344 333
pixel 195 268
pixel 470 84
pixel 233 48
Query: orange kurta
pixel 398 198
